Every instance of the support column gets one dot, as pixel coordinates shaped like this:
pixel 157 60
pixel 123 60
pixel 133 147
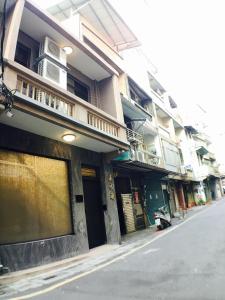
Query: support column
pixel 12 30
pixel 79 216
pixel 109 199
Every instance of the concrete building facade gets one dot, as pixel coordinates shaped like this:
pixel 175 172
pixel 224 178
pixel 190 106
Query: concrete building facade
pixel 88 151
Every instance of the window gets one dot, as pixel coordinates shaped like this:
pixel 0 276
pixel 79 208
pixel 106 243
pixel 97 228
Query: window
pixel 35 201
pixel 23 55
pixel 77 88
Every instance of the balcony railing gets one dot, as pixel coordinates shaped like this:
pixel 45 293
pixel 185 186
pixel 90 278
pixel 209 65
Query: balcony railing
pixel 43 96
pixel 102 124
pixel 146 157
pixel 134 137
pixel 65 105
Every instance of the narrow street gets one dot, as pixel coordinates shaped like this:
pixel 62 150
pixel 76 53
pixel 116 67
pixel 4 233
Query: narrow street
pixel 185 263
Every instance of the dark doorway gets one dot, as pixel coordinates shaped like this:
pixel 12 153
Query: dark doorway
pixel 94 212
pixel 122 186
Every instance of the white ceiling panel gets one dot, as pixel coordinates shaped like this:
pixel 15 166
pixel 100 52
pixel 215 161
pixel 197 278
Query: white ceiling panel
pixel 43 128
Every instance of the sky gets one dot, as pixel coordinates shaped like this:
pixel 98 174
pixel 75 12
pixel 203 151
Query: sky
pixel 185 40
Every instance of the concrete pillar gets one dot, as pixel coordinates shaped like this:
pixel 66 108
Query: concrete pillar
pixel 109 199
pixel 79 216
pixel 12 30
pixel 110 97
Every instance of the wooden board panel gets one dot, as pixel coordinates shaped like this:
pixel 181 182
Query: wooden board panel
pixel 128 212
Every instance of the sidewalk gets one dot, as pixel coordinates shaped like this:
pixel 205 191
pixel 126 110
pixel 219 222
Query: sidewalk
pixel 22 281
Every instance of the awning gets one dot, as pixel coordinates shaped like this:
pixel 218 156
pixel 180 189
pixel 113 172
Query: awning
pixel 191 129
pixel 139 166
pixel 102 16
pixel 133 110
pixel 202 150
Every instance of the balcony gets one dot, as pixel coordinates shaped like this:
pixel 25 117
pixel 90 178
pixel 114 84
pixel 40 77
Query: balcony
pixel 140 152
pixel 146 157
pixel 33 91
pixel 134 137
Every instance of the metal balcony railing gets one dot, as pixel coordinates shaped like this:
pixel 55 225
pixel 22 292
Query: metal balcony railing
pixel 145 156
pixel 134 137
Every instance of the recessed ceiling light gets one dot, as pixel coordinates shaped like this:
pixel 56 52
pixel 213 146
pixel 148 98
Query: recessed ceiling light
pixel 68 50
pixel 68 137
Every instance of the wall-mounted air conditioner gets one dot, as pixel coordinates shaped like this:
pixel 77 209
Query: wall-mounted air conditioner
pixel 140 156
pixel 50 48
pixel 132 154
pixel 53 73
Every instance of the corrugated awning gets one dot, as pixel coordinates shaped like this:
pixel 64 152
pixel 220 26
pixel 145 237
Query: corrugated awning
pixel 102 16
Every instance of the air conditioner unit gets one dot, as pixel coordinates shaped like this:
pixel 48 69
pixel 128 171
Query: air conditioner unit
pixel 140 156
pixel 53 73
pixel 50 48
pixel 132 154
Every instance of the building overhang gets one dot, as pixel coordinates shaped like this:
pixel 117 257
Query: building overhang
pixel 172 102
pixel 191 129
pixel 133 110
pixel 202 150
pixel 42 121
pixel 124 160
pixel 103 17
pixel 214 176
pixel 138 90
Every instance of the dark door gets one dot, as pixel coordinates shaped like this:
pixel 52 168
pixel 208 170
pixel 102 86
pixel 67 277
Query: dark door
pixel 94 212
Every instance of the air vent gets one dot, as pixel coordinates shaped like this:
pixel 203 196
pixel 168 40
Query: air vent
pixel 53 72
pixel 53 49
pixel 50 48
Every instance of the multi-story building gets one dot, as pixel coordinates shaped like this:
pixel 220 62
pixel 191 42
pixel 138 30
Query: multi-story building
pixel 148 175
pixel 205 169
pixel 65 118
pixel 88 149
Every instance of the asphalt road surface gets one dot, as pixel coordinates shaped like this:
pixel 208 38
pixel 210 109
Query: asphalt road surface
pixel 187 263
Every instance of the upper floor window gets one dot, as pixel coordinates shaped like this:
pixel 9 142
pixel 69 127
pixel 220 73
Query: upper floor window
pixel 27 51
pixel 23 55
pixel 77 88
